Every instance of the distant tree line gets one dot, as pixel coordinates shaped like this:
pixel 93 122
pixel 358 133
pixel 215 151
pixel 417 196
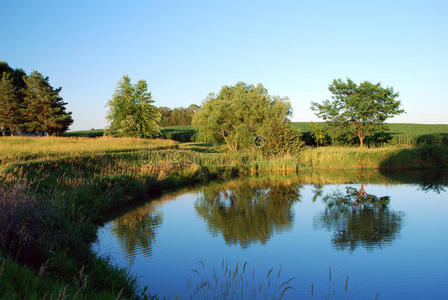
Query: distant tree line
pixel 29 104
pixel 179 116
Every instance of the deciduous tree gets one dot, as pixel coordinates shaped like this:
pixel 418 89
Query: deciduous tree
pixel 239 114
pixel 358 109
pixel 131 112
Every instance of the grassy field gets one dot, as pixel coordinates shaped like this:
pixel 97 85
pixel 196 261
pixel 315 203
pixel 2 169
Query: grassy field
pixel 55 192
pixel 26 148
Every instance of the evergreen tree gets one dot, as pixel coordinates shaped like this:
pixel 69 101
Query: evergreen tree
pixel 11 106
pixel 45 109
pixel 16 75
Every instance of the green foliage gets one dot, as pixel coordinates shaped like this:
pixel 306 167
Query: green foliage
pixel 45 108
pixel 281 138
pixel 358 109
pixel 240 114
pixel 30 104
pixel 13 108
pixel 86 133
pixel 177 116
pixel 131 112
pixel 11 105
pixel 318 133
pixel 396 134
pixel 17 75
pixel 181 134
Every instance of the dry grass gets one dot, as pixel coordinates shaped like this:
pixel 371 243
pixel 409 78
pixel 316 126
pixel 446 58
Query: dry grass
pixel 26 148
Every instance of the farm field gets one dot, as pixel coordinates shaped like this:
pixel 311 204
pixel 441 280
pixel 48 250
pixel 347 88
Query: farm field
pixel 398 134
pixel 167 131
pixel 393 128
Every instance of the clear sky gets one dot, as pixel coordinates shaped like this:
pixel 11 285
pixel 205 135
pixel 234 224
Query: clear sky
pixel 186 49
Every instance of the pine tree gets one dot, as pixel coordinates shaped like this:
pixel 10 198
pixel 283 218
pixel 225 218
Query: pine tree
pixel 11 106
pixel 45 108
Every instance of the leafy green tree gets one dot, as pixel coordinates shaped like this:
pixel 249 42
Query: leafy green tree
pixel 318 133
pixel 358 109
pixel 165 116
pixel 238 114
pixel 11 105
pixel 278 136
pixel 131 110
pixel 45 110
pixel 179 116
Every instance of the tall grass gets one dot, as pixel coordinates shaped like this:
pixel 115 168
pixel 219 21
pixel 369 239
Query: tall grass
pixel 237 281
pixel 26 148
pixel 241 281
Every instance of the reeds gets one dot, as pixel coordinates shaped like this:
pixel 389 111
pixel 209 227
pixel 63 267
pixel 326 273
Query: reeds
pixel 238 281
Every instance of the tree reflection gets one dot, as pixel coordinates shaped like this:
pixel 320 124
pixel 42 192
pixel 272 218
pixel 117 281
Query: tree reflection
pixel 247 212
pixel 357 218
pixel 135 230
pixel 434 181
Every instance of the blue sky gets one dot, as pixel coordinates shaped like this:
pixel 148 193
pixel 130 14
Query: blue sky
pixel 186 49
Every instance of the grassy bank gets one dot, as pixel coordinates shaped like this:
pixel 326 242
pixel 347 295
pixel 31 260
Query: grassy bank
pixel 57 191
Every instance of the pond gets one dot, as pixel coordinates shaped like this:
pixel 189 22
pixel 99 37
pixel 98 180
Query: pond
pixel 363 236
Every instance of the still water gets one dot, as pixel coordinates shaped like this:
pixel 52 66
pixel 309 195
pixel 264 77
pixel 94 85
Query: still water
pixel 384 237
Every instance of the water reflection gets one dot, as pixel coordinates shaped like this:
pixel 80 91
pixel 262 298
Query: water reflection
pixel 357 218
pixel 432 180
pixel 248 211
pixel 136 230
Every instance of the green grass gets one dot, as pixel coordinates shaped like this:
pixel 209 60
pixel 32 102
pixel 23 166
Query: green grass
pixel 85 133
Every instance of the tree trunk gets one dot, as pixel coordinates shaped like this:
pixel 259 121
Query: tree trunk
pixel 361 137
pixel 225 139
